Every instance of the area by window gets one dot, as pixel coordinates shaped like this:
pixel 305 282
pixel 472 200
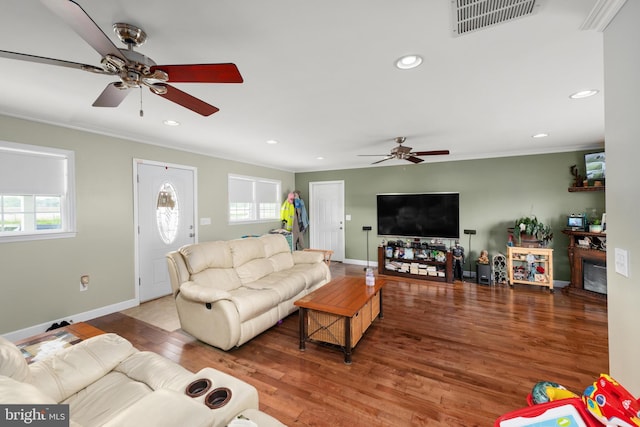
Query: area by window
pixel 37 197
pixel 253 199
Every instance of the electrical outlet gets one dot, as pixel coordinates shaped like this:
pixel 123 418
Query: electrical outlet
pixel 84 282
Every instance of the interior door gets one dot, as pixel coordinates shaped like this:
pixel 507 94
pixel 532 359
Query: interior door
pixel 326 217
pixel 165 222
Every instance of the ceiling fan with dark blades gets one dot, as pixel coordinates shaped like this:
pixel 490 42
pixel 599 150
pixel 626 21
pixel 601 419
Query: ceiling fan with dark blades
pixel 134 69
pixel 403 152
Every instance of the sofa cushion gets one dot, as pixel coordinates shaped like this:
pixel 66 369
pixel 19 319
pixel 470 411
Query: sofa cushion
pixel 281 261
pixel 105 398
pixel 164 408
pixel 12 362
pixel 223 279
pixel 206 255
pixel 72 369
pixel 154 370
pixel 251 302
pixel 274 244
pixel 283 283
pixel 245 250
pixel 254 270
pixel 312 274
pixel 16 392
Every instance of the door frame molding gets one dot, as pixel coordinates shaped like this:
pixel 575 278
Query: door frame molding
pixel 136 219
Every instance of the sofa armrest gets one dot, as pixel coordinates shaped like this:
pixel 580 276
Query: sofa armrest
pixel 307 257
pixel 198 293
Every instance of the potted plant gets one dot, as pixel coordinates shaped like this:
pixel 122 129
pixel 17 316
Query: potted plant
pixel 595 226
pixel 531 232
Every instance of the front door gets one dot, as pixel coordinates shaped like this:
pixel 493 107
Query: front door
pixel 165 221
pixel 326 217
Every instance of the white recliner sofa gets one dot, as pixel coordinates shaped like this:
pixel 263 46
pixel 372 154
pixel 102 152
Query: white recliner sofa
pixel 228 292
pixel 107 382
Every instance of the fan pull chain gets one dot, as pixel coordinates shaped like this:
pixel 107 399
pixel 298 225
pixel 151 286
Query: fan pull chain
pixel 141 112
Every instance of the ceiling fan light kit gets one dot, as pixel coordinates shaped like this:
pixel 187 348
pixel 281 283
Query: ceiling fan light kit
pixel 133 69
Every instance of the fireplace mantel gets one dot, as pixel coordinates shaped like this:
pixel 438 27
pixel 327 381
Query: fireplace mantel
pixel 577 254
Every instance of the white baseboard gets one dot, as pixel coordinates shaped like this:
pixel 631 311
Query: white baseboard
pixel 80 317
pixel 361 262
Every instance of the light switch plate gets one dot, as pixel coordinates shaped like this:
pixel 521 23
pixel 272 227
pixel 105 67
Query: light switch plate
pixel 622 262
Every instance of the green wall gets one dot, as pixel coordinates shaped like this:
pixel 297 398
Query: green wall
pixel 40 279
pixel 493 194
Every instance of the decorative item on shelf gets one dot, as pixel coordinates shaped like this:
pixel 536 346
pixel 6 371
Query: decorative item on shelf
pixel 484 257
pixel 532 233
pixel 578 180
pixel 595 226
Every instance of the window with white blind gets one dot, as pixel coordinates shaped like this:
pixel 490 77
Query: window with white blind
pixel 37 192
pixel 253 199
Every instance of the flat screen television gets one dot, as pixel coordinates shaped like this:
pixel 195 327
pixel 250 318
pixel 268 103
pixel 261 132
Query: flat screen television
pixel 419 215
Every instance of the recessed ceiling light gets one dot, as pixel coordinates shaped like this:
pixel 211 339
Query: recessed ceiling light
pixel 171 123
pixel 319 158
pixel 408 61
pixel 272 141
pixel 583 94
pixel 540 135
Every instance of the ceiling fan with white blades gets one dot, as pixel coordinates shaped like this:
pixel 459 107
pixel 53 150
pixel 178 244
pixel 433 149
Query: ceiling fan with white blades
pixel 403 152
pixel 133 69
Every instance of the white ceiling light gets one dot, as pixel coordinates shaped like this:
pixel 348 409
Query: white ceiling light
pixel 583 94
pixel 408 61
pixel 171 123
pixel 540 135
pixel 272 142
pixel 319 158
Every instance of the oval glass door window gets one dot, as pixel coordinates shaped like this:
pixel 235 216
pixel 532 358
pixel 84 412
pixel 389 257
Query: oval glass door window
pixel 167 213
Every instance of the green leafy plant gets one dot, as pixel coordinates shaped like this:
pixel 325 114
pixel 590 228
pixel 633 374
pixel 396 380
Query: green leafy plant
pixel 530 225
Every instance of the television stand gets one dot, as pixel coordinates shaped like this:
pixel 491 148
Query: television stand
pixel 422 269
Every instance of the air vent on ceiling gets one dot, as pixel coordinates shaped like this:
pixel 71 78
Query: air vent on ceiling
pixel 474 15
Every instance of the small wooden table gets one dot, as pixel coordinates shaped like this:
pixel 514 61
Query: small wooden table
pixel 340 312
pixel 35 347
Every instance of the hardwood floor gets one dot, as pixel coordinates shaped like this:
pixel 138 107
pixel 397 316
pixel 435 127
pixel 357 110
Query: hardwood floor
pixel 444 355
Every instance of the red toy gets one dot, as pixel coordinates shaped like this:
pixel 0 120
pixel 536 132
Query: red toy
pixel 611 403
pixel 605 402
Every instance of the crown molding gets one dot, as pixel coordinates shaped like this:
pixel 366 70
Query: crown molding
pixel 601 15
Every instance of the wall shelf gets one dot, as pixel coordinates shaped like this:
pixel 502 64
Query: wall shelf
pixel 592 188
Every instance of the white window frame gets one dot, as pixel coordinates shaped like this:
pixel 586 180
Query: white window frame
pixel 67 199
pixel 255 210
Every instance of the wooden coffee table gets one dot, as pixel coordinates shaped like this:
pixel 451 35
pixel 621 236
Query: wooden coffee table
pixel 340 312
pixel 38 346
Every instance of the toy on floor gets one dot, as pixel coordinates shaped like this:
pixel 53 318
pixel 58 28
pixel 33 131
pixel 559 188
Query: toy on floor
pixel 547 391
pixel 605 402
pixel 611 403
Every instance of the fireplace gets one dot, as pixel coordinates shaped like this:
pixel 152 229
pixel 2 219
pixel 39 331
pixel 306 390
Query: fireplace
pixel 594 276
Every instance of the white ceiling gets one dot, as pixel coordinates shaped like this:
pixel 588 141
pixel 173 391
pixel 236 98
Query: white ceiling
pixel 319 77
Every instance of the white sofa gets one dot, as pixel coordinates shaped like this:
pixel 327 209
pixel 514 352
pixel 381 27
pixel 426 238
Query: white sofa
pixel 107 382
pixel 227 292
